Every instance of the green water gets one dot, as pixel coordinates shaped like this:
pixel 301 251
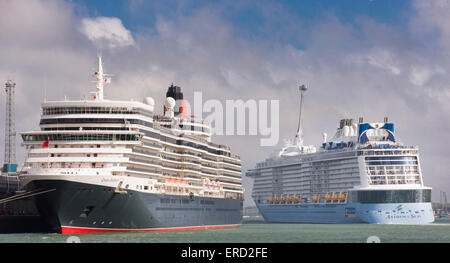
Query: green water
pixel 262 233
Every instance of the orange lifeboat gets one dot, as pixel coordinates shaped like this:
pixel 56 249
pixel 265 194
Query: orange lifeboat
pixel 277 199
pixel 283 199
pixel 271 200
pixel 297 199
pixel 336 197
pixel 328 197
pixel 343 197
pixel 315 198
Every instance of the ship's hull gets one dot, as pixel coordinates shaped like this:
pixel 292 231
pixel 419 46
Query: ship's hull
pixel 77 207
pixel 386 213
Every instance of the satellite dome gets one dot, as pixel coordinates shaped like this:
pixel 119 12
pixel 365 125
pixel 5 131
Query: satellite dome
pixel 169 103
pixel 149 101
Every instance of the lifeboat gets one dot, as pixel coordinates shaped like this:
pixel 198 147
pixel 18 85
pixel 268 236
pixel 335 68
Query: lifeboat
pixel 271 200
pixel 277 199
pixel 168 180
pixel 315 198
pixel 297 198
pixel 283 199
pixel 291 199
pixel 328 197
pixel 343 197
pixel 336 197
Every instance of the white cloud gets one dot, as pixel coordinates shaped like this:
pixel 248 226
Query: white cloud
pixel 420 75
pixel 432 21
pixel 384 60
pixel 107 32
pixel 378 58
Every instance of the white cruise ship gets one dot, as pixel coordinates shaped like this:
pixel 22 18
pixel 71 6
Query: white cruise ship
pixel 361 175
pixel 103 165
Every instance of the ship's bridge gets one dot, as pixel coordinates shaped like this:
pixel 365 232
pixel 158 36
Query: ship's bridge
pixel 51 108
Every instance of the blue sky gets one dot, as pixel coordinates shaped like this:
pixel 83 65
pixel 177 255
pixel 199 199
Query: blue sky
pixel 251 17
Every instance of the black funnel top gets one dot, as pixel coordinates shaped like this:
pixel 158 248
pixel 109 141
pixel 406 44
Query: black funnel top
pixel 174 92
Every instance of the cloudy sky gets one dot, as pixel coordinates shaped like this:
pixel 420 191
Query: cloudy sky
pixel 360 58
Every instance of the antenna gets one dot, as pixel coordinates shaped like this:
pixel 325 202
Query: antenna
pixel 299 135
pixel 101 79
pixel 10 132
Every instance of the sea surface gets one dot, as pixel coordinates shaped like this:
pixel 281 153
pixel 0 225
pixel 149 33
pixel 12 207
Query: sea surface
pixel 257 232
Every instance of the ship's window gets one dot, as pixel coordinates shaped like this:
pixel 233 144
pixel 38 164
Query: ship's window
pixel 146 187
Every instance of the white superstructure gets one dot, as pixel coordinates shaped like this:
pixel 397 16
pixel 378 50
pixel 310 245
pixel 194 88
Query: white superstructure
pixel 340 165
pixel 126 145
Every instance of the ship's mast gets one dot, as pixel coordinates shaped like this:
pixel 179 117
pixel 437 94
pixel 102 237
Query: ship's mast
pixel 299 135
pixel 101 79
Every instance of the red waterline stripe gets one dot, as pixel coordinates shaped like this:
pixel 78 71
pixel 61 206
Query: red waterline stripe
pixel 85 230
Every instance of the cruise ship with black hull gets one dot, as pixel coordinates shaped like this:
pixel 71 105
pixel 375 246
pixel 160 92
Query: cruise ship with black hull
pixel 101 165
pixel 363 174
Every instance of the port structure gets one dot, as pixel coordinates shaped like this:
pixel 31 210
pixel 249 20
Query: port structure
pixel 9 165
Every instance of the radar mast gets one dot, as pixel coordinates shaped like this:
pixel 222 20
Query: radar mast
pixel 100 79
